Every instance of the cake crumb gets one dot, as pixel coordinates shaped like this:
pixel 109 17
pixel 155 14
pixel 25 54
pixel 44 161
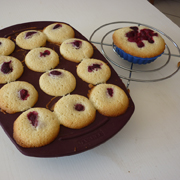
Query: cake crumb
pixel 91 86
pixel 4 112
pixel 178 64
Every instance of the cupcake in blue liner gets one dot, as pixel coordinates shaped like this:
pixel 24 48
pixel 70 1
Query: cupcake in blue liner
pixel 134 59
pixel 138 44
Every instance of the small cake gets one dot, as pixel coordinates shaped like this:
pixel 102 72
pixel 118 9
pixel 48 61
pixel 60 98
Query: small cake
pixel 17 96
pixel 10 69
pixel 35 127
pixel 7 46
pixel 138 44
pixel 58 32
pixel 57 82
pixel 75 111
pixel 31 39
pixel 76 49
pixel 41 59
pixel 93 71
pixel 110 100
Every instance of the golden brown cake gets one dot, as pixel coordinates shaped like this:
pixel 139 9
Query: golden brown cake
pixel 109 100
pixel 138 42
pixel 35 127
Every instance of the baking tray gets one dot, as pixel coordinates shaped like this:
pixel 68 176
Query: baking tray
pixel 69 141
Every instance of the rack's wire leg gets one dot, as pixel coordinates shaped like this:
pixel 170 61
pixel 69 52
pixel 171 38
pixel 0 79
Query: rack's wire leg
pixel 130 73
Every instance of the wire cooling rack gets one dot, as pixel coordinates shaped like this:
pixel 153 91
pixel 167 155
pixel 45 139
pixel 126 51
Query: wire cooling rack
pixel 108 30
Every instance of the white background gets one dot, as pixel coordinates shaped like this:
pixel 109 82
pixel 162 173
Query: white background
pixel 148 146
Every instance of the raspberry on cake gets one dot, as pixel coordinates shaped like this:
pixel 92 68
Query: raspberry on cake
pixel 76 50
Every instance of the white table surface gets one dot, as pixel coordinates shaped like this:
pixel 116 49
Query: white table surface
pixel 148 146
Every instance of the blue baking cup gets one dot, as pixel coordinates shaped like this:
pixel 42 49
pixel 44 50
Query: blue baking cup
pixel 134 59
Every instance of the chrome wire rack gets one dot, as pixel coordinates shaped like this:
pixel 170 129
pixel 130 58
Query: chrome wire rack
pixel 130 66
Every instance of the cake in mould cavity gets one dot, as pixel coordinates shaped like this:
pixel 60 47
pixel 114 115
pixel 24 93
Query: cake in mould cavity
pixel 41 59
pixel 17 96
pixel 58 32
pixel 109 99
pixel 7 46
pixel 76 50
pixel 57 82
pixel 138 44
pixel 93 71
pixel 35 127
pixel 31 39
pixel 10 69
pixel 75 111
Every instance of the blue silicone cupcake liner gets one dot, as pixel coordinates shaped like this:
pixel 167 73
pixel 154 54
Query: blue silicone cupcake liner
pixel 134 59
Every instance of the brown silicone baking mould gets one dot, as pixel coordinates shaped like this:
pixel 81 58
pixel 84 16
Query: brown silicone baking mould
pixel 69 141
